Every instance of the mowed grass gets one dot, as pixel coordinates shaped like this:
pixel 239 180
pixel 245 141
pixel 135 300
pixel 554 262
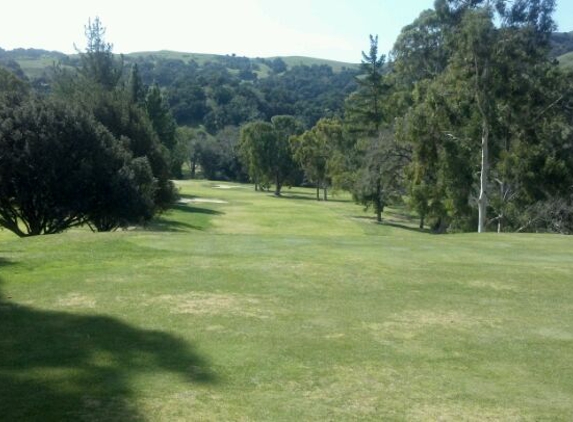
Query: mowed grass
pixel 255 308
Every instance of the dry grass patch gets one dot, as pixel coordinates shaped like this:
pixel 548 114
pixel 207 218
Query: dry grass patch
pixel 464 412
pixel 220 304
pixel 409 324
pixel 76 300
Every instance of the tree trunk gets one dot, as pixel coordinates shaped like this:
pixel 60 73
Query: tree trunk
pixel 482 202
pixel 193 168
pixel 378 215
pixel 325 191
pixel 318 191
pixel 422 222
pixel 278 186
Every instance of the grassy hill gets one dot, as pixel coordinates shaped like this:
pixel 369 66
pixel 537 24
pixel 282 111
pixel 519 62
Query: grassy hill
pixel 566 60
pixel 240 306
pixel 34 62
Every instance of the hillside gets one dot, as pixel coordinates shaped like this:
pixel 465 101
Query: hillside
pixel 566 60
pixel 34 62
pixel 562 43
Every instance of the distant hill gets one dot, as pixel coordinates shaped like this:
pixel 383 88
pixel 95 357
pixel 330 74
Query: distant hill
pixel 34 62
pixel 562 43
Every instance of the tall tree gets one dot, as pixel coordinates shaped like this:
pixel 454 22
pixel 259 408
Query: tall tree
pixel 160 116
pixel 97 61
pixel 365 108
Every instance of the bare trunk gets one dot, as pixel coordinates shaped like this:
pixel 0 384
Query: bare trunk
pixel 482 202
pixel 318 191
pixel 325 191
pixel 422 222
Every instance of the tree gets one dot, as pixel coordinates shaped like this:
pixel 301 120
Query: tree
pixel 96 89
pixel 160 115
pixel 379 177
pixel 98 62
pixel 266 150
pixel 314 150
pixel 136 87
pixel 13 90
pixel 256 151
pixel 365 108
pixel 59 168
pixel 492 86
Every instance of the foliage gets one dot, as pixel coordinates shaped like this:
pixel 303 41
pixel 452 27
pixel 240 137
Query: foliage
pixel 492 100
pixel 315 150
pixel 97 62
pixel 266 150
pixel 365 108
pixel 60 168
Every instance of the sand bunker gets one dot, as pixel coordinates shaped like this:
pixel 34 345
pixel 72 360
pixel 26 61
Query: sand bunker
pixel 186 201
pixel 227 187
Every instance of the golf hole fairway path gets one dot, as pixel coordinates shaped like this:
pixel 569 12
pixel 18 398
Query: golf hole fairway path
pixel 240 306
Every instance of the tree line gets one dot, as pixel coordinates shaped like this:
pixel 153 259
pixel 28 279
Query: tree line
pixel 468 122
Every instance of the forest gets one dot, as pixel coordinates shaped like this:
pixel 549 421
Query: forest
pixel 467 122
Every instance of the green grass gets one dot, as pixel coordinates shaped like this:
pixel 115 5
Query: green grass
pixel 310 61
pixel 270 309
pixel 566 60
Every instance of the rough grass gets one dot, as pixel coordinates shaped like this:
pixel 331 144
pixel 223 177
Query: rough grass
pixel 266 308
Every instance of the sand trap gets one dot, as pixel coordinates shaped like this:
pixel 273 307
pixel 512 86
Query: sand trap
pixel 185 201
pixel 227 187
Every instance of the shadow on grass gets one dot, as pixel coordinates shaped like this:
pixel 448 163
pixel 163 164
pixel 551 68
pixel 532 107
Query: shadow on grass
pixel 57 366
pixel 196 210
pixel 394 224
pixel 165 223
pixel 307 197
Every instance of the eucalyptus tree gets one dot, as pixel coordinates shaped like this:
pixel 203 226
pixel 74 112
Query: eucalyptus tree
pixel 494 52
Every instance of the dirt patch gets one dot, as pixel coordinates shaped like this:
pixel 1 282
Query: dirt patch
pixel 76 300
pixel 217 304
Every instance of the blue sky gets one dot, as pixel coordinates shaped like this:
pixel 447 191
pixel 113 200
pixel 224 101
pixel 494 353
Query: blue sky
pixel 329 29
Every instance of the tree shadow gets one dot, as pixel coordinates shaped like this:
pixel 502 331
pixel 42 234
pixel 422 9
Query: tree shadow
pixel 195 210
pixel 307 197
pixel 57 366
pixel 173 226
pixel 392 224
